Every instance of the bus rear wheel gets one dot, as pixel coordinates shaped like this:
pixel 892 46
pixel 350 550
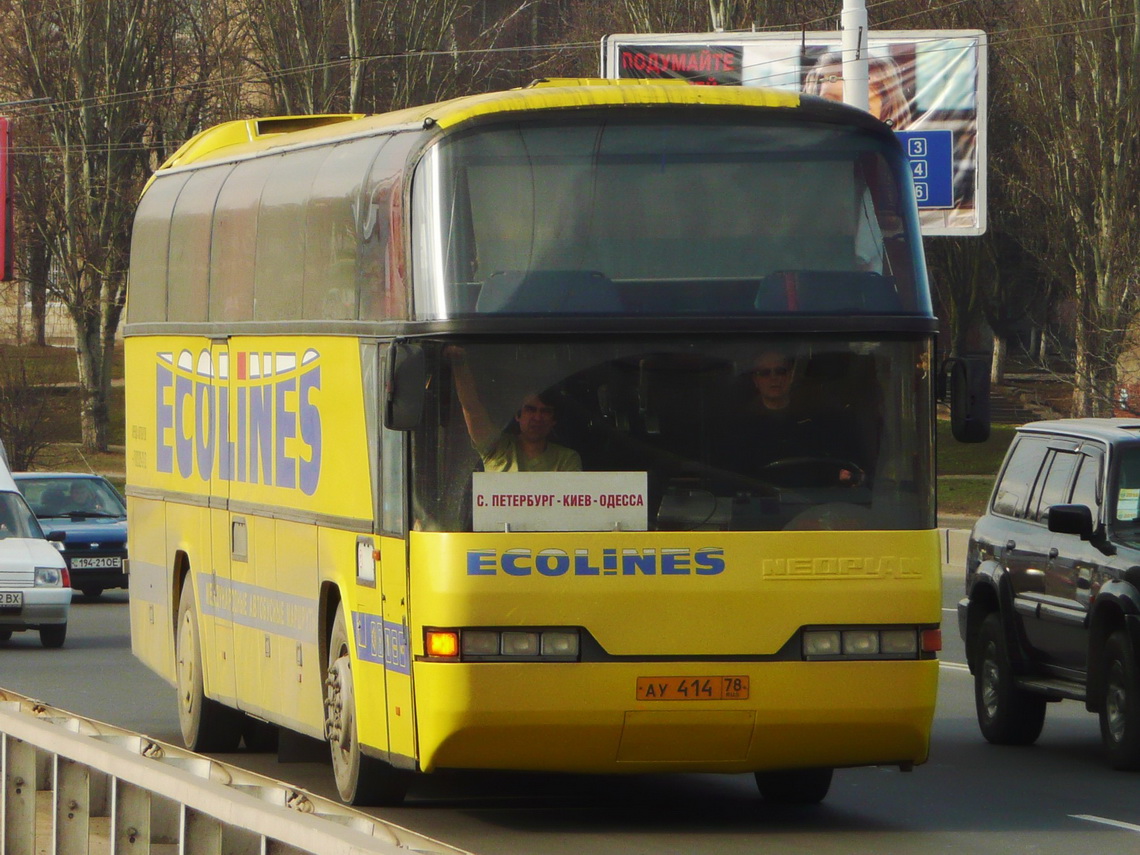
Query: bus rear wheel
pixel 360 780
pixel 795 786
pixel 206 725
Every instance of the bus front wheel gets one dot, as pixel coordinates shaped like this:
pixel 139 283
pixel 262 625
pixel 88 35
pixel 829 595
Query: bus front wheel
pixel 795 786
pixel 207 726
pixel 360 780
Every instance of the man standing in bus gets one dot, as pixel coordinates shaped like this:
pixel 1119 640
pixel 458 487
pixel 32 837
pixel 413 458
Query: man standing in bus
pixel 528 450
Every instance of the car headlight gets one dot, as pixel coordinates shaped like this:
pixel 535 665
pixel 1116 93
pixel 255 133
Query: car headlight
pixel 49 577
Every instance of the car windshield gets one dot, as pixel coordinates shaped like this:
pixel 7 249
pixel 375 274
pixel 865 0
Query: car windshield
pixel 66 497
pixel 16 519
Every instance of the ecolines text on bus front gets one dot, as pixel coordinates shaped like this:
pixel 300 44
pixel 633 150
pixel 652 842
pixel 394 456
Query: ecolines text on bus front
pixel 629 562
pixel 263 426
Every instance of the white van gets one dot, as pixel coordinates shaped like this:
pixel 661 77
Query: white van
pixel 35 592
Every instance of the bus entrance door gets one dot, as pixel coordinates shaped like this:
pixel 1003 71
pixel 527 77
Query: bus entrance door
pixel 394 585
pixel 218 629
pixel 397 653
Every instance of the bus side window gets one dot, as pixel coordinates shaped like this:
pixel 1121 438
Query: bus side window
pixel 278 281
pixel 331 232
pixel 234 241
pixel 381 268
pixel 150 250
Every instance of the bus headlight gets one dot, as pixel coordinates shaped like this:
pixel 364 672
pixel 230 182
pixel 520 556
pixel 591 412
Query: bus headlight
pixel 860 642
pixel 910 642
pixel 480 643
pixel 822 643
pixel 557 643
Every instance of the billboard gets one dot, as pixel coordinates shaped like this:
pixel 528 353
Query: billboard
pixel 5 205
pixel 930 86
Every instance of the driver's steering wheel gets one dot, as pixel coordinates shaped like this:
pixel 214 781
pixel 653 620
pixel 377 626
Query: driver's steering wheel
pixel 804 472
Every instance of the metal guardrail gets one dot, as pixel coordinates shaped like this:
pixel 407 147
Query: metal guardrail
pixel 73 786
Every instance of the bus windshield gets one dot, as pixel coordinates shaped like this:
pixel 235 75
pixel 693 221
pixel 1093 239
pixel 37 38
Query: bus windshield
pixel 724 433
pixel 665 217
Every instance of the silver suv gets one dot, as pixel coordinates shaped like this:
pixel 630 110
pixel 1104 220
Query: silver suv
pixel 1052 606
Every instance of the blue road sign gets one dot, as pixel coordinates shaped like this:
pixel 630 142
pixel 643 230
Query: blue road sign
pixel 931 156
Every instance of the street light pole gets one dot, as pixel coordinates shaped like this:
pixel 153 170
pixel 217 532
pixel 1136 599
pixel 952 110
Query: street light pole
pixel 855 79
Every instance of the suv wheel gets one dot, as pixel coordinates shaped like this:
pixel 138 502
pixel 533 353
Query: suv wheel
pixel 1007 715
pixel 1120 707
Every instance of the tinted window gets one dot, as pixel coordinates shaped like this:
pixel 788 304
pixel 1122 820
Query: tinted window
pixel 846 452
pixel 281 237
pixel 1019 476
pixel 331 237
pixel 190 244
pixel 1088 477
pixel 673 216
pixel 1055 488
pixel 233 242
pixel 150 242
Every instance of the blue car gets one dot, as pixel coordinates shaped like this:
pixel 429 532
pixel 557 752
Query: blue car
pixel 87 519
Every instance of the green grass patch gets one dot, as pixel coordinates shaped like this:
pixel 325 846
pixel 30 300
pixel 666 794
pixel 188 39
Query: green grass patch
pixel 967 496
pixel 972 458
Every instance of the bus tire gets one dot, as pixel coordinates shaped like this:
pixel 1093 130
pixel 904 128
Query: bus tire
pixel 207 726
pixel 1007 715
pixel 1120 706
pixel 360 780
pixel 795 786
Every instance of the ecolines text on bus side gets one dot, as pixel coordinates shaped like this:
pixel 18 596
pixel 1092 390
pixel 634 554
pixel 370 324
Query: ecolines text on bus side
pixel 263 426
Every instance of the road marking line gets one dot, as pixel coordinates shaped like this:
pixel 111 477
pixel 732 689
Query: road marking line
pixel 954 666
pixel 1115 823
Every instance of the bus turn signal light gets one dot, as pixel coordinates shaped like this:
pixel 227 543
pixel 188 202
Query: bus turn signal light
pixel 442 643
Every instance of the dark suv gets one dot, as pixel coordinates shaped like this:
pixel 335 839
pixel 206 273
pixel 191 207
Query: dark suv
pixel 1052 607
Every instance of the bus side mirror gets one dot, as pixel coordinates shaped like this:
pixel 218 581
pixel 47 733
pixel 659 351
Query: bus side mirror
pixel 968 379
pixel 405 383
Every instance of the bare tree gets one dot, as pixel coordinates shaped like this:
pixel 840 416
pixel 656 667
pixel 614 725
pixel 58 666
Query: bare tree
pixel 123 88
pixel 1077 97
pixel 25 408
pixel 347 55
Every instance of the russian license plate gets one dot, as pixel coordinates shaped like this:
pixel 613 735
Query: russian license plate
pixel 113 563
pixel 692 688
pixel 11 599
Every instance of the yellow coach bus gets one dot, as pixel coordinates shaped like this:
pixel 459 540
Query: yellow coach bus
pixel 583 427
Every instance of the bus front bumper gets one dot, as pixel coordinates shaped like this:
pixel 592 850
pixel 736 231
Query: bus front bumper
pixel 578 717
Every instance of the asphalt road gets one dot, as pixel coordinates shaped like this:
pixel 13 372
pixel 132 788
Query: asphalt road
pixel 1055 798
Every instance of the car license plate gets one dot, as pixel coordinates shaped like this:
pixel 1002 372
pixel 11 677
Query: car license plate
pixel 11 599
pixel 692 688
pixel 113 563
